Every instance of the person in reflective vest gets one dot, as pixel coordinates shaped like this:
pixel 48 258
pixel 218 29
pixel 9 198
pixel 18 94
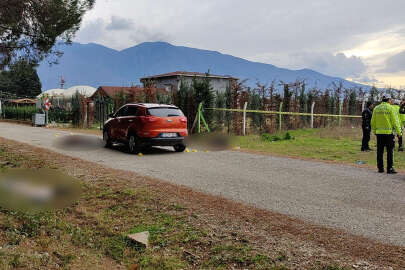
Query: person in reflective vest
pixel 402 117
pixel 383 124
pixel 397 107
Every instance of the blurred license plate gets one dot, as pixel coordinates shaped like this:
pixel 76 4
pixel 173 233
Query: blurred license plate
pixel 169 135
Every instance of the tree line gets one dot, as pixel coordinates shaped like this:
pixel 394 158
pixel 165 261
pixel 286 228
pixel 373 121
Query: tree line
pixel 292 97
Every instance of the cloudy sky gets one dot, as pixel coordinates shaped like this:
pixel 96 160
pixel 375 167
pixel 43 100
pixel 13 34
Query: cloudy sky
pixel 362 40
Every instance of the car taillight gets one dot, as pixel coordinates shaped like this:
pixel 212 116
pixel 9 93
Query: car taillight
pixel 183 120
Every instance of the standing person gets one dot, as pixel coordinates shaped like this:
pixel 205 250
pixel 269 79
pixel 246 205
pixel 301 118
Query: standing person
pixel 397 107
pixel 383 123
pixel 366 126
pixel 402 119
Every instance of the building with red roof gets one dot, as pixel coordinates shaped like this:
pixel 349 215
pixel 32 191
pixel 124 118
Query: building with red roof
pixel 114 91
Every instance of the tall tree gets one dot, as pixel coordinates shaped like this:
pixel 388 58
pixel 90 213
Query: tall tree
pixel 203 92
pixel 374 93
pixel 302 99
pixel 21 80
pixel 228 105
pixel 184 100
pixel 353 101
pixel 30 28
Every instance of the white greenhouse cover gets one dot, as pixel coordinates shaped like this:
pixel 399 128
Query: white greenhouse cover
pixel 84 90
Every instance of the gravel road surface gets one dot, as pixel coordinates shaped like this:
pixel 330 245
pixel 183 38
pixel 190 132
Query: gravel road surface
pixel 359 201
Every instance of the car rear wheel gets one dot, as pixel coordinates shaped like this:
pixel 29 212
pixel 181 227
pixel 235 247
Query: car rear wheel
pixel 106 139
pixel 133 144
pixel 179 147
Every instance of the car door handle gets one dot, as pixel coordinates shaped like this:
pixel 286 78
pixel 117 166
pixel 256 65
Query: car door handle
pixel 130 121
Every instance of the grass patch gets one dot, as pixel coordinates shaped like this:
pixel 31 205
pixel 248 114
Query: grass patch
pixel 331 144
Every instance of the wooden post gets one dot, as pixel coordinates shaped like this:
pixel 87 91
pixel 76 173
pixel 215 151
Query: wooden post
pixel 46 117
pixel 199 118
pixel 244 118
pixel 312 114
pixel 280 117
pixel 340 112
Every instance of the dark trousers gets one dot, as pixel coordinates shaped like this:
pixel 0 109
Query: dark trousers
pixel 366 139
pixel 385 141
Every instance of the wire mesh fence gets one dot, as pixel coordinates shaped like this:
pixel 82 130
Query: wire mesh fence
pixel 239 121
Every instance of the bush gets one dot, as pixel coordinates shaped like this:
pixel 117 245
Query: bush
pixel 270 138
pixel 287 136
pixel 274 138
pixel 59 115
pixel 19 113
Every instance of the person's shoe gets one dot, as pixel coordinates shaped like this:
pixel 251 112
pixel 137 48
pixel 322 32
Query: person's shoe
pixel 380 170
pixel 369 149
pixel 401 149
pixel 391 171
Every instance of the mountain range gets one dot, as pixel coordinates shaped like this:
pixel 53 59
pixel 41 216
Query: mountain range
pixel 95 65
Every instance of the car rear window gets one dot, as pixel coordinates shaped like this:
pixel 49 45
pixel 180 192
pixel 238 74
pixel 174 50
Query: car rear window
pixel 165 112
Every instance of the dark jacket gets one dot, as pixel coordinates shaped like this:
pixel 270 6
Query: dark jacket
pixel 366 116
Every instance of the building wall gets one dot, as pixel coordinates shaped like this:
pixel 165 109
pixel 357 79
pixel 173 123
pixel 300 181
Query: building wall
pixel 218 84
pixel 167 83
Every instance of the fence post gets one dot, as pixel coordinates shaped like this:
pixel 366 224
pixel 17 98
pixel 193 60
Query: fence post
pixel 244 118
pixel 199 118
pixel 340 112
pixel 46 117
pixel 312 114
pixel 280 117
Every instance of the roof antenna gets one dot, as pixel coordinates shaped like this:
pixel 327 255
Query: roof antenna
pixel 62 82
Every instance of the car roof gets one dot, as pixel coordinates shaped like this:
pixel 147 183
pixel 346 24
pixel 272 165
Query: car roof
pixel 153 105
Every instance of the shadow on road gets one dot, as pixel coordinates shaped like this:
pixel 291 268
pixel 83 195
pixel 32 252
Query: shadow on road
pixel 146 151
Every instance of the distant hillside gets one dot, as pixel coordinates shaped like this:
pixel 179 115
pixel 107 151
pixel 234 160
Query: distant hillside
pixel 95 65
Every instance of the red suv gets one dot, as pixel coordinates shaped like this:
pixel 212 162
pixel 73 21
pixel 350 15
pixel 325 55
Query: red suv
pixel 145 125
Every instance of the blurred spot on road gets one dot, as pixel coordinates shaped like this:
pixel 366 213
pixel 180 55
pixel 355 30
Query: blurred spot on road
pixel 79 143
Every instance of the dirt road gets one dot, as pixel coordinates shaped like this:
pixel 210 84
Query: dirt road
pixel 359 201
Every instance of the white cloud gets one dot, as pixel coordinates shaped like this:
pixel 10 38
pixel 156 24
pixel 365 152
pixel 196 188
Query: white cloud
pixel 334 65
pixel 118 23
pixel 338 65
pixel 118 33
pixel 394 64
pixel 367 80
